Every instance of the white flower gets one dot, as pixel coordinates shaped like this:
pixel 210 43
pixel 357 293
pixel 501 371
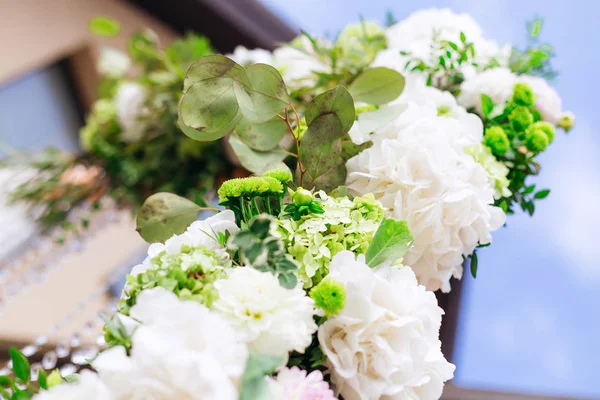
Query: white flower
pixel 416 34
pixel 271 319
pixel 416 91
pixel 245 57
pixel 113 63
pixel 181 350
pixel 129 102
pixel 295 384
pixel 384 344
pixel 547 100
pixel 498 84
pixel 418 170
pixel 89 387
pixel 199 233
pixel 297 63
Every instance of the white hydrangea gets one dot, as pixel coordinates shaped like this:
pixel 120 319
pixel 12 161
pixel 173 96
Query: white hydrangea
pixel 416 91
pixel 418 170
pixel 498 84
pixel 245 57
pixel 181 350
pixel 129 103
pixel 113 63
pixel 271 319
pixel 199 233
pixel 89 386
pixel 416 33
pixel 385 342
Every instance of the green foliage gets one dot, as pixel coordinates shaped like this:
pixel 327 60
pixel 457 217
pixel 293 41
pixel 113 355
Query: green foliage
pixel 104 26
pixel 163 215
pixel 20 365
pixel 254 386
pixel 391 241
pixel 377 86
pixel 337 101
pixel 474 264
pixel 537 56
pixel 258 248
pixel 486 105
pixel 330 296
pixel 253 160
pixel 20 386
pixel 263 136
pixel 115 333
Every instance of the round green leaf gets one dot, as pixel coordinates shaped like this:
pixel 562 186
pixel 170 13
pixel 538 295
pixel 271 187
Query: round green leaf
pixel 163 215
pixel 263 95
pixel 103 26
pixel 210 107
pixel 378 85
pixel 211 66
pixel 255 161
pixel 263 136
pixel 336 101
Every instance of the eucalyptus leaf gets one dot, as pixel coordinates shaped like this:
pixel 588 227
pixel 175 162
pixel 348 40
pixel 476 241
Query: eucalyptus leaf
pixel 165 214
pixel 351 149
pixel 254 386
pixel 209 67
pixel 377 85
pixel 371 121
pixel 263 136
pixel 391 241
pixel 336 101
pixel 255 161
pixel 263 95
pixel 103 26
pixel 204 136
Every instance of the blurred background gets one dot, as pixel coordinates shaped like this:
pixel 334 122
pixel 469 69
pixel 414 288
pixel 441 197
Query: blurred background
pixel 527 327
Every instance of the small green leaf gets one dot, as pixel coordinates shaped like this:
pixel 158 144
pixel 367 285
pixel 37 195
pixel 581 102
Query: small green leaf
pixel 378 85
pixel 287 280
pixel 263 95
pixel 54 379
pixel 263 136
pixel 391 241
pixel 163 215
pixel 542 194
pixel 43 379
pixel 351 149
pixel 255 161
pixel 6 381
pixel 487 105
pixel 254 386
pixel 529 189
pixel 474 264
pixel 104 26
pixel 20 365
pixel 336 101
pixel 463 37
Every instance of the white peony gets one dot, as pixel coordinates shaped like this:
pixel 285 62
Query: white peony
pixel 418 170
pixel 385 342
pixel 416 91
pixel 498 84
pixel 88 387
pixel 113 63
pixel 181 350
pixel 129 103
pixel 547 100
pixel 199 233
pixel 245 57
pixel 417 33
pixel 271 319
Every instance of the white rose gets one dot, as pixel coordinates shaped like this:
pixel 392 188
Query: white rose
pixel 113 63
pixel 384 343
pixel 271 319
pixel 89 387
pixel 129 102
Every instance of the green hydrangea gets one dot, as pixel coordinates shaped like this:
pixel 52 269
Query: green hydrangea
pixel 496 171
pixel 496 139
pixel 545 127
pixel 523 95
pixel 536 140
pixel 520 118
pixel 281 175
pixel 189 274
pixel 315 238
pixel 330 296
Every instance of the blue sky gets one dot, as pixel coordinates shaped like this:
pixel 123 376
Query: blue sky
pixel 530 322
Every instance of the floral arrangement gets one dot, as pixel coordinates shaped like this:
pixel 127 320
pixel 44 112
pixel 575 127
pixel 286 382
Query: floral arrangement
pixel 132 146
pixel 381 162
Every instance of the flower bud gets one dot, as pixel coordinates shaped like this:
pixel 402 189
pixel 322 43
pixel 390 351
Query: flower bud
pixel 566 120
pixel 302 197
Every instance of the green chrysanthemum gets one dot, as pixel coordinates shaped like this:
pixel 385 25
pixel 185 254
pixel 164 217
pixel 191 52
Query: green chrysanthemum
pixel 281 175
pixel 523 95
pixel 315 238
pixel 545 127
pixel 497 140
pixel 536 140
pixel 330 296
pixel 520 118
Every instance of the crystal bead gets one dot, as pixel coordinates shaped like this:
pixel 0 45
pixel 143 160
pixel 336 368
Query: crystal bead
pixel 62 351
pixel 67 369
pixel 84 355
pixel 5 371
pixel 100 341
pixel 49 360
pixel 29 350
pixel 41 340
pixel 35 370
pixel 75 340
